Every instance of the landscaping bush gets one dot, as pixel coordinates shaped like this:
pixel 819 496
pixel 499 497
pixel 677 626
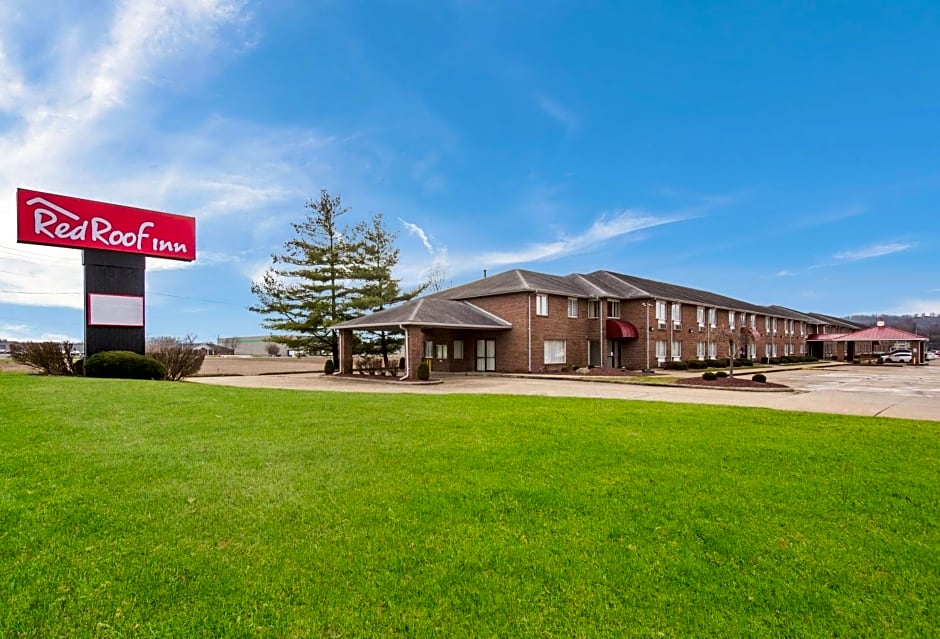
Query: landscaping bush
pixel 775 361
pixel 721 374
pixel 676 366
pixel 329 367
pixel 717 363
pixel 743 362
pixel 124 365
pixel 424 372
pixel 177 356
pixel 709 375
pixel 759 377
pixel 698 364
pixel 52 358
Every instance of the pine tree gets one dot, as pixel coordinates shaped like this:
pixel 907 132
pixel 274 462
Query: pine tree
pixel 379 289
pixel 311 286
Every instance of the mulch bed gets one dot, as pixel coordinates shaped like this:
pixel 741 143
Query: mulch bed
pixel 728 382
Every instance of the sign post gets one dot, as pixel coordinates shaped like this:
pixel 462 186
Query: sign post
pixel 115 240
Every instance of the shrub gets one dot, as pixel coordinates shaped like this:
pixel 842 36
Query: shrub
pixel 709 375
pixel 329 367
pixel 759 377
pixel 177 356
pixel 717 363
pixel 698 364
pixel 424 372
pixel 721 374
pixel 743 362
pixel 124 365
pixel 676 366
pixel 52 358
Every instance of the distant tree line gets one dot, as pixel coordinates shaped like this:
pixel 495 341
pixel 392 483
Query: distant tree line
pixel 926 325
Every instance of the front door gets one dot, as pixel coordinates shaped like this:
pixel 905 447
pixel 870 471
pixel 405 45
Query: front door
pixel 594 353
pixel 615 353
pixel 486 355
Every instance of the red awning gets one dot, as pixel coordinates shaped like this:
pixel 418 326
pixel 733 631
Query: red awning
pixel 619 329
pixel 753 332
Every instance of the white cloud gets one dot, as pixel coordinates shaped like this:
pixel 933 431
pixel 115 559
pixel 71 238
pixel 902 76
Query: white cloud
pixel 601 231
pixel 558 112
pixel 86 125
pixel 420 270
pixel 869 252
pixel 785 273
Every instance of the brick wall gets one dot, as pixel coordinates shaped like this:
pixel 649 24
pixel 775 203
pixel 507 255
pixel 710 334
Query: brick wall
pixel 522 349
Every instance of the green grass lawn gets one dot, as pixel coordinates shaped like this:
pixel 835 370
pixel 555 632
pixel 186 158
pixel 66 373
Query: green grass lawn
pixel 154 509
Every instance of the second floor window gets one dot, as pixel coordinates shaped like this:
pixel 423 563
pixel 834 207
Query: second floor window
pixel 572 307
pixel 613 309
pixel 541 304
pixel 661 314
pixel 594 309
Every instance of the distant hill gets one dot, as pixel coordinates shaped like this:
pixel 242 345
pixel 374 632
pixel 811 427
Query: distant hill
pixel 926 325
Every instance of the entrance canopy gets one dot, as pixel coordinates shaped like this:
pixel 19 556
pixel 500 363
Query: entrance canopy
pixel 619 329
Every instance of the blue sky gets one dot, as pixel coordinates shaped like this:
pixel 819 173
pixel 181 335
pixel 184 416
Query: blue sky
pixel 782 153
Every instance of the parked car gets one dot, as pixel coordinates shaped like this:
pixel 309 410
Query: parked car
pixel 900 355
pixel 929 355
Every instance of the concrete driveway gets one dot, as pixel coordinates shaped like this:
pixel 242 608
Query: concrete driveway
pixel 911 392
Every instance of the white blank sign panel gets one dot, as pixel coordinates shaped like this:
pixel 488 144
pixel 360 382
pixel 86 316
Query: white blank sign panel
pixel 115 310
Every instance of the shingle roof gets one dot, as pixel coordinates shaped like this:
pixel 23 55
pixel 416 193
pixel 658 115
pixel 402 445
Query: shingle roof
pixel 632 287
pixel 599 284
pixel 514 281
pixel 882 333
pixel 428 311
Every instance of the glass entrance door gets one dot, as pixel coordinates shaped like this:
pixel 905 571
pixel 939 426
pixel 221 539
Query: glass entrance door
pixel 486 355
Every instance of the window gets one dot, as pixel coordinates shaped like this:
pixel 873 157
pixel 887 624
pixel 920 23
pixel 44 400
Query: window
pixel 661 315
pixel 429 349
pixel 458 349
pixel 731 320
pixel 713 317
pixel 440 351
pixel 802 348
pixel 676 315
pixel 803 329
pixel 753 320
pixel 555 351
pixel 541 304
pixel 767 350
pixel 613 309
pixel 773 325
pixel 572 307
pixel 773 350
pixel 766 323
pixel 700 316
pixel 700 350
pixel 713 350
pixel 676 350
pixel 751 351
pixel 594 309
pixel 661 348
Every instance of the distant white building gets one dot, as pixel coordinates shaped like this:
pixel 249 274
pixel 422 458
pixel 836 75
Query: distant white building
pixel 253 345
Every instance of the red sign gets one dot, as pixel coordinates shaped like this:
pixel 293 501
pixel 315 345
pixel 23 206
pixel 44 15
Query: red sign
pixel 60 220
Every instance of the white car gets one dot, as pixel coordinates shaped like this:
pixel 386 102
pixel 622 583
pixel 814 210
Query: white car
pixel 929 355
pixel 901 355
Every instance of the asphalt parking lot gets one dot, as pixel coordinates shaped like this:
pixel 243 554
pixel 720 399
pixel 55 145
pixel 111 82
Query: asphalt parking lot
pixel 911 392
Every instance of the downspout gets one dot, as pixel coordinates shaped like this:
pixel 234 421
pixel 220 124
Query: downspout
pixel 529 313
pixel 407 354
pixel 601 347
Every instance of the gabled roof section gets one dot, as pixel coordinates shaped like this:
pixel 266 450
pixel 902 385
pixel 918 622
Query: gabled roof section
pixel 514 281
pixel 835 321
pixel 783 311
pixel 632 287
pixel 428 311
